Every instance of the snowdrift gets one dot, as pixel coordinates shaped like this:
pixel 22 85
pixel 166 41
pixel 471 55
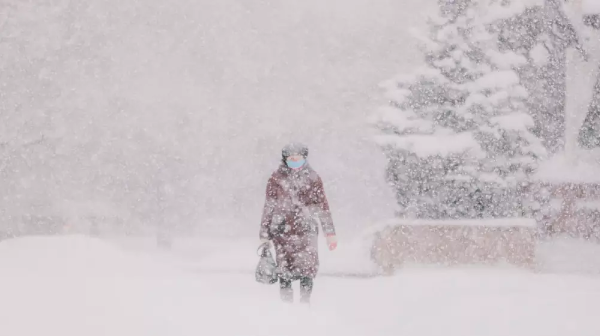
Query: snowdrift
pixel 237 254
pixel 227 255
pixel 73 286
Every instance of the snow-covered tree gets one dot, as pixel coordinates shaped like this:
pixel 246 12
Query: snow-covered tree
pixel 540 31
pixel 457 133
pixel 591 13
pixel 589 134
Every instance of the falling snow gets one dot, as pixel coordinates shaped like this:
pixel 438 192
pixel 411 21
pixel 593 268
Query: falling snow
pixel 448 182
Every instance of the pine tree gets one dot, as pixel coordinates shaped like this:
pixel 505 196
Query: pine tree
pixel 542 33
pixel 457 133
pixel 589 133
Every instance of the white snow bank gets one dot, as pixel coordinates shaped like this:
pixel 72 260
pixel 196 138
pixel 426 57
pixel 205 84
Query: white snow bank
pixel 73 286
pixel 561 168
pixel 352 258
pixel 238 255
pixel 68 256
pixel 77 286
pixel 590 6
pixel 568 255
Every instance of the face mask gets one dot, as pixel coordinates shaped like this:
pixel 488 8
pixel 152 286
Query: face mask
pixel 295 164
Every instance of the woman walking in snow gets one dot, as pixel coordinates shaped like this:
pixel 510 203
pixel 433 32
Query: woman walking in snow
pixel 295 204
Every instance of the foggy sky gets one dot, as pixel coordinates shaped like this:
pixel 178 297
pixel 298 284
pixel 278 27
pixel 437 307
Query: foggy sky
pixel 309 71
pixel 126 94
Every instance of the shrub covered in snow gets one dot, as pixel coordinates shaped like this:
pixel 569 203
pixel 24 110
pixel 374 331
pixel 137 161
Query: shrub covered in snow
pixel 457 132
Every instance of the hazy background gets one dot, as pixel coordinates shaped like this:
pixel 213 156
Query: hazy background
pixel 176 112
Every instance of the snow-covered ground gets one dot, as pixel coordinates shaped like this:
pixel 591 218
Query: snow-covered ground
pixel 238 254
pixel 74 285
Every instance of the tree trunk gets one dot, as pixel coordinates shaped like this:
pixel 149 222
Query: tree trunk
pixel 589 134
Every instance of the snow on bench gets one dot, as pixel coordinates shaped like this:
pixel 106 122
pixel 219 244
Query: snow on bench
pixel 491 222
pixel 453 242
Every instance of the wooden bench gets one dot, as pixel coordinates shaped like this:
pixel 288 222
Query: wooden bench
pixel 455 242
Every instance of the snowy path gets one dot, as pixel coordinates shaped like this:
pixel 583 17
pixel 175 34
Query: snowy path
pixel 79 286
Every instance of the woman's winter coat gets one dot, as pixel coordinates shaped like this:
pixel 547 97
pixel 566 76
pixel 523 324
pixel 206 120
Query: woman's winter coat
pixel 295 204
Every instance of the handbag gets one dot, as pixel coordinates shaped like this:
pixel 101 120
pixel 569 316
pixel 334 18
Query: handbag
pixel 266 270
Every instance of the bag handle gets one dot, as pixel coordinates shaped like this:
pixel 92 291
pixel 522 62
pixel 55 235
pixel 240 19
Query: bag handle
pixel 263 250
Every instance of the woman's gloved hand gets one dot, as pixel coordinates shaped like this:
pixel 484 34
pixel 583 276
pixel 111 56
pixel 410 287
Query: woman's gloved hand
pixel 332 241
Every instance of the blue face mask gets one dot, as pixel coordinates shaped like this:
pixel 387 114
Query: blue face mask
pixel 295 164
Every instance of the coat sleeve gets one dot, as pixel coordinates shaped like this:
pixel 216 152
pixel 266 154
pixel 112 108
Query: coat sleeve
pixel 323 211
pixel 268 209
